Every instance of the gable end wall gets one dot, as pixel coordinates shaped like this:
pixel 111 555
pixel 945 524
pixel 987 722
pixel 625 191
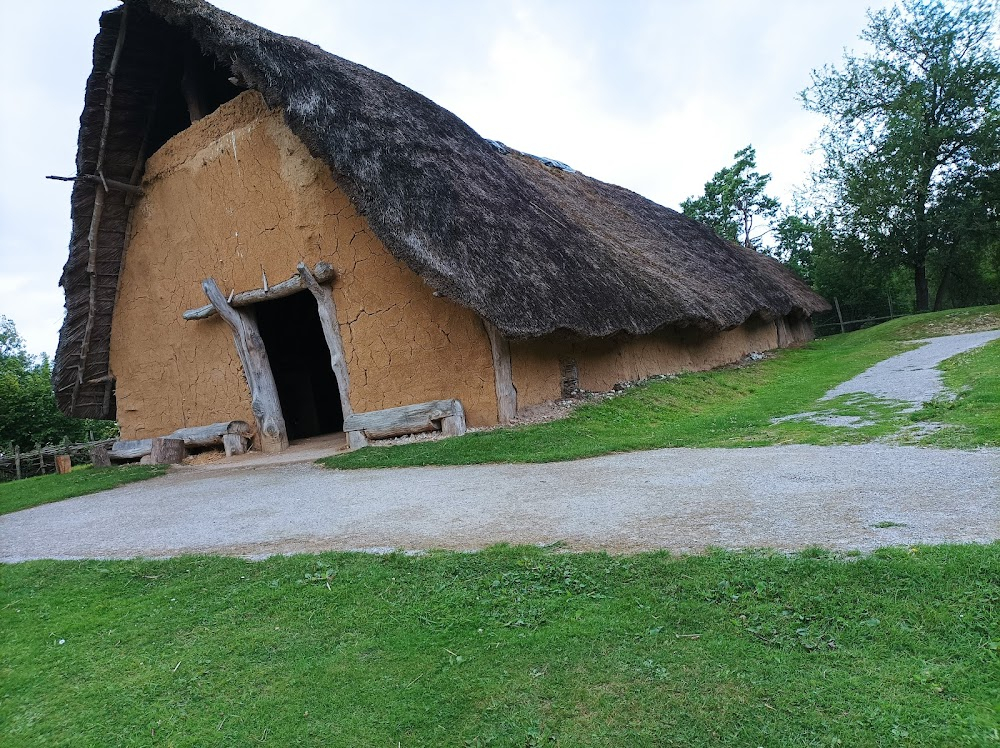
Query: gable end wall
pixel 235 196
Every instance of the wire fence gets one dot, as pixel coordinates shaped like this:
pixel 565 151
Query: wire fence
pixel 15 464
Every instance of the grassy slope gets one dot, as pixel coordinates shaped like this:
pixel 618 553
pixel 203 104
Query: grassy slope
pixel 508 647
pixel 729 407
pixel 22 494
pixel 974 415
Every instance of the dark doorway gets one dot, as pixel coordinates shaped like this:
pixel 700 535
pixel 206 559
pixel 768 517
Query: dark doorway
pixel 300 362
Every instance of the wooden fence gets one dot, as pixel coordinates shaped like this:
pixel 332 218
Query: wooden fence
pixel 854 317
pixel 15 464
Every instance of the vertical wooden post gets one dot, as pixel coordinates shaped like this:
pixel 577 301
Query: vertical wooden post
pixel 256 368
pixel 779 326
pixel 503 374
pixel 17 462
pixel 889 297
pixel 100 457
pixel 191 85
pixel 836 303
pixel 334 341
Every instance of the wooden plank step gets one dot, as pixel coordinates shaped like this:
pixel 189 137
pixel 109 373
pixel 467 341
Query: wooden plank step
pixel 197 437
pixel 437 415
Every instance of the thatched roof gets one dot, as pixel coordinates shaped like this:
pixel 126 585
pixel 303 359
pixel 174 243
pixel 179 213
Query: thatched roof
pixel 532 248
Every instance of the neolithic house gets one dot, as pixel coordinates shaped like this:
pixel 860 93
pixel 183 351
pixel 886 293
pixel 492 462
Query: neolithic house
pixel 358 248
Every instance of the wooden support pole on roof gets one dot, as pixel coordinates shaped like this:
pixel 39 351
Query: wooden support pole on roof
pixel 100 191
pixel 111 184
pixel 190 84
pixel 503 374
pixel 109 386
pixel 334 341
pixel 264 401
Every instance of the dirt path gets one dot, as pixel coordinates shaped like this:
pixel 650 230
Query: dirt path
pixel 913 376
pixel 680 499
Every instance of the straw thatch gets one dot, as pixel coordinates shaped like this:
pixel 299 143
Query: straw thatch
pixel 532 248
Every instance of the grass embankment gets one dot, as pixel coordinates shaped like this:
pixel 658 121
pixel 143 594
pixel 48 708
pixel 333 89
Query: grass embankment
pixel 22 494
pixel 731 407
pixel 973 417
pixel 507 647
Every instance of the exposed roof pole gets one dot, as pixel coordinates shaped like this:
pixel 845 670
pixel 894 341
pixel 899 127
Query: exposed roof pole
pixel 100 192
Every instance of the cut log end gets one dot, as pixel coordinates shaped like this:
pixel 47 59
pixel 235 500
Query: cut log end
pixel 235 444
pixel 166 451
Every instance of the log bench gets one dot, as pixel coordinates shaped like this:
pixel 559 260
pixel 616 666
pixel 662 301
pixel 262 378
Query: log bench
pixel 233 435
pixel 446 416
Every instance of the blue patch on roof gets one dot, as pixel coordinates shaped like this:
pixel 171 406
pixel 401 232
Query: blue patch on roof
pixel 505 149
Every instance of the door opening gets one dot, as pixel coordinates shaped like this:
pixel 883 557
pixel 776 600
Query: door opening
pixel 300 362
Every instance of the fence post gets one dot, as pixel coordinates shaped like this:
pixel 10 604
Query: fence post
pixel 889 297
pixel 41 458
pixel 17 462
pixel 836 303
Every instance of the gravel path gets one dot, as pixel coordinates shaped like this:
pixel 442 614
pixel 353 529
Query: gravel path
pixel 913 376
pixel 681 499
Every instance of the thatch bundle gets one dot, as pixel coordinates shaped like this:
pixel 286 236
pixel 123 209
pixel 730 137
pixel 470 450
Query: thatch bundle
pixel 532 248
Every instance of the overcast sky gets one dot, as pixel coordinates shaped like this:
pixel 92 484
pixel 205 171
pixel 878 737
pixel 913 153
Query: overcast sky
pixel 655 95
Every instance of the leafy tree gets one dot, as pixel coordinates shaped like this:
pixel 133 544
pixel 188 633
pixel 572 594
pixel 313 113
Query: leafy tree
pixel 734 201
pixel 911 128
pixel 28 411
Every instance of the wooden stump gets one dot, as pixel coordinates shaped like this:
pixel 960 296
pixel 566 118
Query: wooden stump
pixel 167 451
pixel 63 464
pixel 100 457
pixel 234 444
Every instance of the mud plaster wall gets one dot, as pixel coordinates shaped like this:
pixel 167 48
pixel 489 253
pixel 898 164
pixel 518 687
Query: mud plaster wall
pixel 237 195
pixel 605 362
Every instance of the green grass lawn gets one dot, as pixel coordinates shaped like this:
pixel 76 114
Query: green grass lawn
pixel 734 407
pixel 22 494
pixel 507 647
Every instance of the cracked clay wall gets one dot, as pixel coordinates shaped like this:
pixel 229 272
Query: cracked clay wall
pixel 237 195
pixel 602 363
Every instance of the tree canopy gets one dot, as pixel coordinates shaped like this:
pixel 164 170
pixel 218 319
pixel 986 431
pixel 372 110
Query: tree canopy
pixel 735 204
pixel 912 141
pixel 28 411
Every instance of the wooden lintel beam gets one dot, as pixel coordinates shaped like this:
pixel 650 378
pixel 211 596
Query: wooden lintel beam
pixel 322 273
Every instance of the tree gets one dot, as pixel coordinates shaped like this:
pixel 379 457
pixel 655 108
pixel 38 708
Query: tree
pixel 734 201
pixel 28 411
pixel 910 128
